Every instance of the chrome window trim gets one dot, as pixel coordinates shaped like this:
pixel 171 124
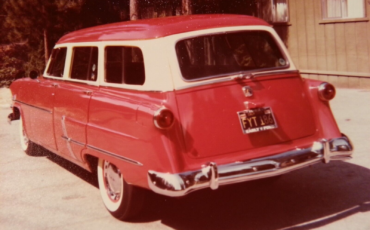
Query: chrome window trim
pixel 282 51
pixel 229 78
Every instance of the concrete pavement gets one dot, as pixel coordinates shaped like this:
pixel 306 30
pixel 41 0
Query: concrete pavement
pixel 47 192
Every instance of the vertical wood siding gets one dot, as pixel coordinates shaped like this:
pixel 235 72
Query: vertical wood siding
pixel 331 47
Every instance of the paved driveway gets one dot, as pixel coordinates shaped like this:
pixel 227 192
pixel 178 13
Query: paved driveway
pixel 47 192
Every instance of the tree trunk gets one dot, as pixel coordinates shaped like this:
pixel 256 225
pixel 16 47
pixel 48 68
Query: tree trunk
pixel 46 46
pixel 134 10
pixel 186 7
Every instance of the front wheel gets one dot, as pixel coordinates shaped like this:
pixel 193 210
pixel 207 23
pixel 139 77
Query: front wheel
pixel 27 146
pixel 122 200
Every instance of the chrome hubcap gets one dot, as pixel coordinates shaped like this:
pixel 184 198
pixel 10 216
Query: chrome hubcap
pixel 112 181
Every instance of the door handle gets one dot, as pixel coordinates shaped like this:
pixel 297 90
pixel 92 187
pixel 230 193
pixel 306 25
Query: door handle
pixel 253 105
pixel 87 92
pixel 55 85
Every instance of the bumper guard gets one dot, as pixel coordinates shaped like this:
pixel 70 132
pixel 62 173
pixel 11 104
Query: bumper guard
pixel 212 175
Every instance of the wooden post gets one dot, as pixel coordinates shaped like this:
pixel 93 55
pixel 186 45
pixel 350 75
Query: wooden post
pixel 46 46
pixel 46 43
pixel 186 7
pixel 134 10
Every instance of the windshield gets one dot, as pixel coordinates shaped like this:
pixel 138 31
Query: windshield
pixel 220 54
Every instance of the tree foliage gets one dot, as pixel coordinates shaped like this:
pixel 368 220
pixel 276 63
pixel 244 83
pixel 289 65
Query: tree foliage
pixel 36 25
pixel 30 28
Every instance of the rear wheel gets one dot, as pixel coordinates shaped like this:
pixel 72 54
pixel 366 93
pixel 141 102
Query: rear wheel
pixel 27 146
pixel 122 200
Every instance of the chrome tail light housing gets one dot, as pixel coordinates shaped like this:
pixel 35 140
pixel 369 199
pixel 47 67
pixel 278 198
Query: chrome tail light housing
pixel 163 118
pixel 326 91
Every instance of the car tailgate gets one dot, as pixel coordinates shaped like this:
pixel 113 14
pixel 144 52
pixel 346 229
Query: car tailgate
pixel 211 124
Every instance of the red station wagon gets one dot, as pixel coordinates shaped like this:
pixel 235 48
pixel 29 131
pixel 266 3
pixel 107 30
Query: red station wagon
pixel 177 104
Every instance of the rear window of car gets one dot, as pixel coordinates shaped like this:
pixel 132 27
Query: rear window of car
pixel 227 53
pixel 124 65
pixel 57 62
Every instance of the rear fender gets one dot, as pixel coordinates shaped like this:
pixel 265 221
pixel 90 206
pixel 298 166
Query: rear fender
pixel 324 117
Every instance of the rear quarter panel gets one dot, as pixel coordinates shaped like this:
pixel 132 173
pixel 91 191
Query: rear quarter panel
pixel 121 123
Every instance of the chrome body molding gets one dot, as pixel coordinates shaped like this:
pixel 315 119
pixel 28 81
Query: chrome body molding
pixel 67 139
pixel 212 175
pixel 35 107
pixel 232 77
pixel 248 91
pixel 115 155
pixel 72 141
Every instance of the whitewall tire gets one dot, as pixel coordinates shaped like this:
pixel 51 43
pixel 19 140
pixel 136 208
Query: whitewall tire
pixel 122 200
pixel 27 146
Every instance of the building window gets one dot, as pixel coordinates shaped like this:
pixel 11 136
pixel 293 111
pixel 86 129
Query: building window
pixel 280 11
pixel 337 9
pixel 274 11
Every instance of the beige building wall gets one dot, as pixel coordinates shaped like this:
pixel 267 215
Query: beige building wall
pixel 337 51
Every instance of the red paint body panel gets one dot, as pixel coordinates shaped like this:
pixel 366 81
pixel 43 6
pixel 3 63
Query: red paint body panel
pixel 38 110
pixel 44 120
pixel 211 125
pixel 71 105
pixel 159 27
pixel 121 122
pixel 327 126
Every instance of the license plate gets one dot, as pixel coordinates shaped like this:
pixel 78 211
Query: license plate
pixel 256 120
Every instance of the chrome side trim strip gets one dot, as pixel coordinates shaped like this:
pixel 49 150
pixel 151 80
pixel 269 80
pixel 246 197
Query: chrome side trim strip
pixel 72 141
pixel 65 137
pixel 115 155
pixel 35 107
pixel 124 135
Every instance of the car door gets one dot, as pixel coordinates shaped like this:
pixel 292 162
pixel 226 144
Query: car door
pixel 42 121
pixel 71 102
pixel 38 98
pixel 112 127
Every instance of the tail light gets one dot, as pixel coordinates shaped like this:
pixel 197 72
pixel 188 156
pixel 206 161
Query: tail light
pixel 163 118
pixel 326 91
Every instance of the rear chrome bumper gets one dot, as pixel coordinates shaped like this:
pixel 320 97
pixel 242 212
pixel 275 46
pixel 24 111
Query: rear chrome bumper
pixel 212 175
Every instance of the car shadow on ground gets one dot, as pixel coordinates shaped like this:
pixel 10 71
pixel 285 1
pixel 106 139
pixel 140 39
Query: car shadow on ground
pixel 304 199
pixel 83 174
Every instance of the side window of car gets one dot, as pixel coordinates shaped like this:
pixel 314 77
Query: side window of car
pixel 84 63
pixel 57 62
pixel 124 65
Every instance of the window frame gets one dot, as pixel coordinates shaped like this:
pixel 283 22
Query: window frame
pixel 90 59
pixel 275 15
pixel 51 63
pixel 268 11
pixel 123 83
pixel 324 12
pixel 279 46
